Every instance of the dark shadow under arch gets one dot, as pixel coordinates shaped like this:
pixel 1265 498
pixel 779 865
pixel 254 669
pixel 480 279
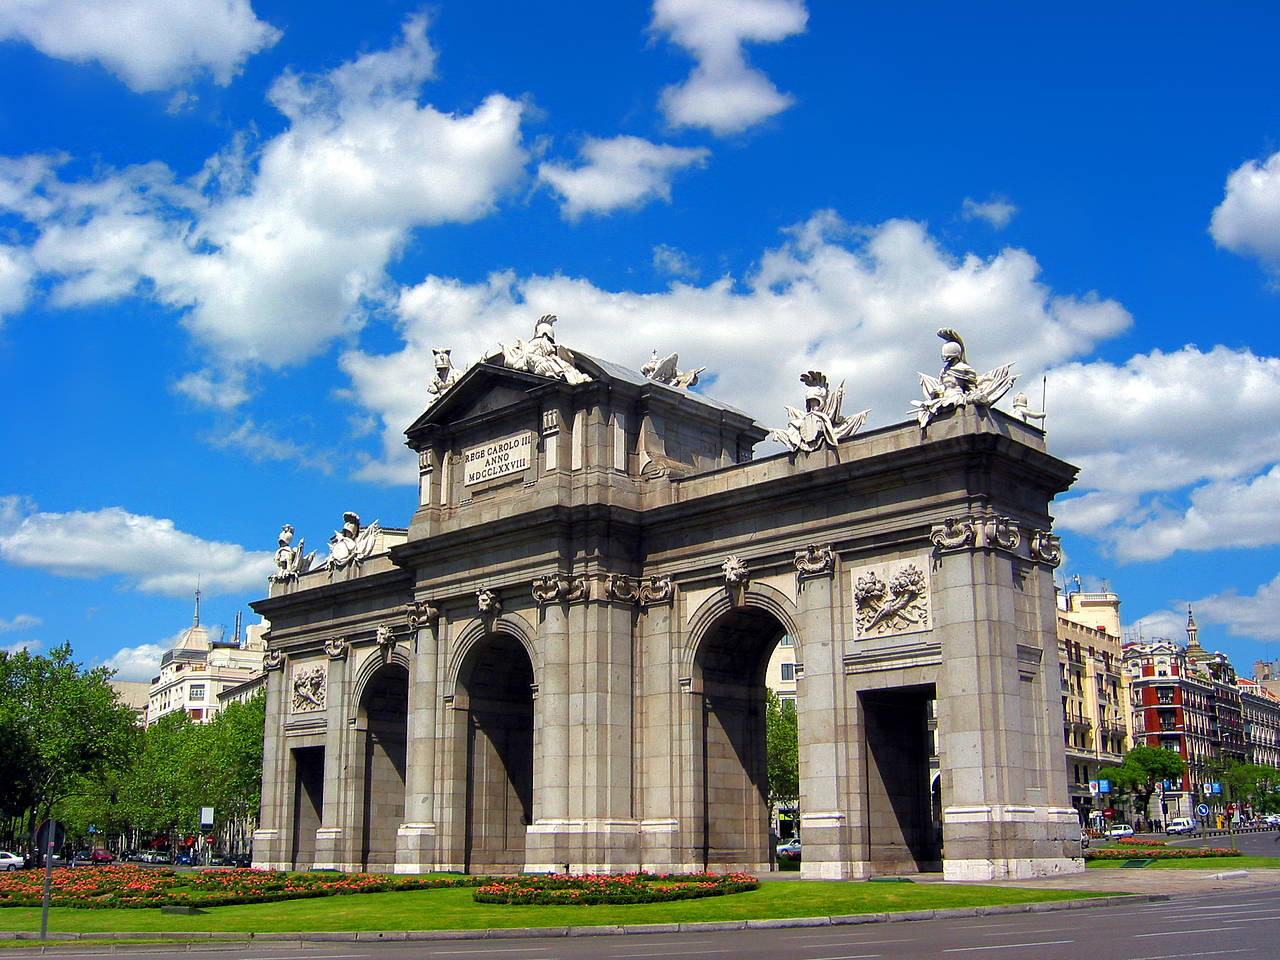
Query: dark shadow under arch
pixel 384 717
pixel 729 666
pixel 495 685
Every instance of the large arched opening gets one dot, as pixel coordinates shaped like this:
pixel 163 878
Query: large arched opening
pixel 384 713
pixel 495 692
pixel 730 669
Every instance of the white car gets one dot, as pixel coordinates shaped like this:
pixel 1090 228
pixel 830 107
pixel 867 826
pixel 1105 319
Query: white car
pixel 789 848
pixel 1180 825
pixel 11 861
pixel 1117 830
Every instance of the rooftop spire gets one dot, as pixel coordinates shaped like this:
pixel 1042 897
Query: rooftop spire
pixel 1192 629
pixel 195 620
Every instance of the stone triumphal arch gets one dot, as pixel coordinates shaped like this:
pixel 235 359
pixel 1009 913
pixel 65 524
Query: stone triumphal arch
pixel 560 663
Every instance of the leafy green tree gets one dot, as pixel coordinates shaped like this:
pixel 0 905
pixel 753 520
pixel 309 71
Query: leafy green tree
pixel 64 724
pixel 1251 782
pixel 782 751
pixel 1142 771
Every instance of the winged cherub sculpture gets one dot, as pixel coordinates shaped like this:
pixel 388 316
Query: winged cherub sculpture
pixel 821 420
pixel 959 384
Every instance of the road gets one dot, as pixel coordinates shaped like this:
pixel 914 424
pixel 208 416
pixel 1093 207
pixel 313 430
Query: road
pixel 1240 925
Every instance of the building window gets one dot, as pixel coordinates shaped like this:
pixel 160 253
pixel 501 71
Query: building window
pixel 788 672
pixel 196 692
pixel 788 704
pixel 786 641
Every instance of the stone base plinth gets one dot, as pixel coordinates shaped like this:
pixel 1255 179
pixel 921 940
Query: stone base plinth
pixel 1013 842
pixel 269 852
pixel 416 848
pixel 582 846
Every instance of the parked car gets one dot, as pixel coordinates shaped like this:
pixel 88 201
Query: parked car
pixel 186 858
pixel 789 848
pixel 11 861
pixel 1118 830
pixel 1180 825
pixel 101 855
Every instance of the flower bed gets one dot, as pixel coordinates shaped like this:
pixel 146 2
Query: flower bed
pixel 130 886
pixel 624 888
pixel 1130 842
pixel 1170 853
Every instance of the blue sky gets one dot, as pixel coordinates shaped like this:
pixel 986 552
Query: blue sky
pixel 230 236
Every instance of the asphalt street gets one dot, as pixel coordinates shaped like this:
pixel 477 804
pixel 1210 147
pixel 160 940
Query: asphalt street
pixel 1241 925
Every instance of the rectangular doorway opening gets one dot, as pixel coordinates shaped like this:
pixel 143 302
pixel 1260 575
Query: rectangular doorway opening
pixel 902 834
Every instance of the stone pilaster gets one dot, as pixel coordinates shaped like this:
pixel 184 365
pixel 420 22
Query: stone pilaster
pixel 272 840
pixel 416 837
pixel 334 837
pixel 825 758
pixel 547 839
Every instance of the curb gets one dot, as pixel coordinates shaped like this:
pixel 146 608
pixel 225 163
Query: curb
pixel 520 933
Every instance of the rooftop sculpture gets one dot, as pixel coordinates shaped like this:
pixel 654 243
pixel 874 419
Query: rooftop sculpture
pixel 1022 409
pixel 820 422
pixel 290 560
pixel 664 371
pixel 541 355
pixel 350 546
pixel 446 376
pixel 959 384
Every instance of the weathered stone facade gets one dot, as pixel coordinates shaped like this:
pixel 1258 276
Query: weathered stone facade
pixel 561 664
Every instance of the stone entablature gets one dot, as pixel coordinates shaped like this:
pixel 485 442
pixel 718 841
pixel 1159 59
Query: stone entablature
pixel 614 614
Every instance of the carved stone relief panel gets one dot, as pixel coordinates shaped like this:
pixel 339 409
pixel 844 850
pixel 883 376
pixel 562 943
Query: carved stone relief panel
pixel 308 686
pixel 892 598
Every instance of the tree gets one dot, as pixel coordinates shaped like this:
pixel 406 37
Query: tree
pixel 1252 782
pixel 1143 769
pixel 62 724
pixel 782 752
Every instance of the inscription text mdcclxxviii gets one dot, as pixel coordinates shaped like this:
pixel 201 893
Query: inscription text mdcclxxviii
pixel 498 458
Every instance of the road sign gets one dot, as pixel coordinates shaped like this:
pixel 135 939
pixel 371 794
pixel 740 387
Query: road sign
pixel 1108 813
pixel 1231 808
pixel 1203 810
pixel 1217 787
pixel 1093 787
pixel 1104 786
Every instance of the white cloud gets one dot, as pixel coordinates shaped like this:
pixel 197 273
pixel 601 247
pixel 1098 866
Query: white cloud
pixel 996 212
pixel 32 645
pixel 673 262
pixel 861 304
pixel 261 445
pixel 271 254
pixel 723 93
pixel 149 44
pixel 23 621
pixel 141 662
pixel 149 553
pixel 1247 221
pixel 622 173
pixel 1144 431
pixel 1256 616
pixel 16 271
pixel 1160 625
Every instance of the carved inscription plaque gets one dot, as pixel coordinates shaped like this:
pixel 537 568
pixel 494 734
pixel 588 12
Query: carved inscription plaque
pixel 498 458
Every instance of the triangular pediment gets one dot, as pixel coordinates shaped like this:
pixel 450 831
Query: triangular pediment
pixel 483 389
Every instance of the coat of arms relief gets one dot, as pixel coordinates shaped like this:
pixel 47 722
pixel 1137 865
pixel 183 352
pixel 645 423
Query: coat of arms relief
pixel 892 598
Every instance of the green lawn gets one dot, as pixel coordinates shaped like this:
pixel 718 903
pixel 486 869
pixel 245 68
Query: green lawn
pixel 1194 863
pixel 454 910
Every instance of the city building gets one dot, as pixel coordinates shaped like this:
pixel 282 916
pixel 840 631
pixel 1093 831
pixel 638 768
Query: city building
pixel 1095 712
pixel 1260 709
pixel 133 694
pixel 1185 699
pixel 196 671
